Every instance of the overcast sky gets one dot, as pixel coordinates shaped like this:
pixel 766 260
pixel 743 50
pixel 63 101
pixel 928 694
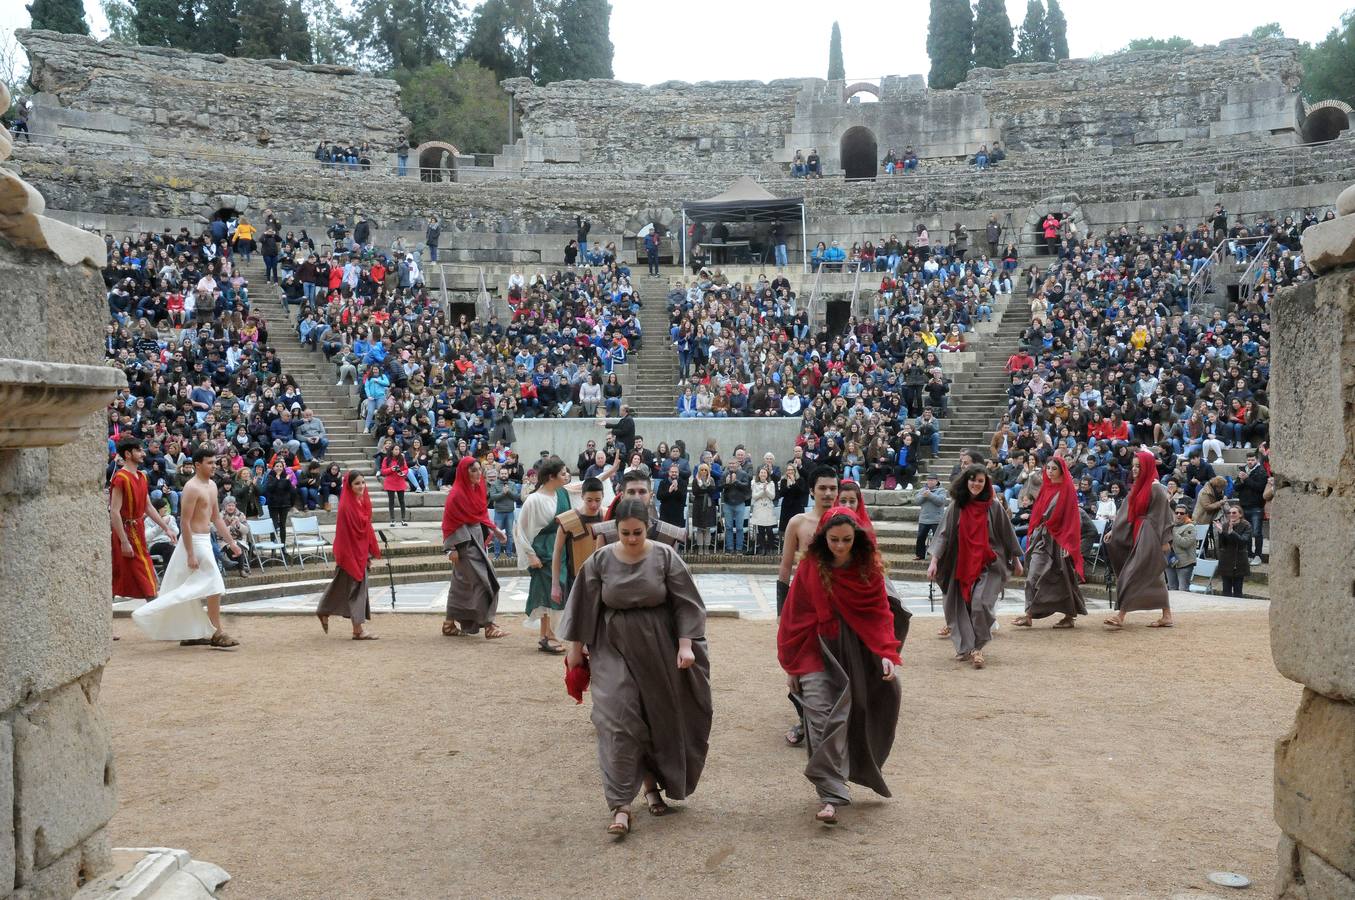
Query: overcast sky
pixel 707 40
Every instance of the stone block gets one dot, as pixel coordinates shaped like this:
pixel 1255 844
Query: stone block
pixel 1312 629
pixel 7 857
pixel 1329 245
pixel 63 775
pixel 1312 377
pixel 1345 204
pixel 1303 875
pixel 1315 780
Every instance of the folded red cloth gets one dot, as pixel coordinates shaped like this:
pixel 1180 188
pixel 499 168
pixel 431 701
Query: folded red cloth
pixel 576 680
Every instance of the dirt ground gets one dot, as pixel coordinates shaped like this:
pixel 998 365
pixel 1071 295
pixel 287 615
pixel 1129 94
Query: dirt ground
pixel 419 766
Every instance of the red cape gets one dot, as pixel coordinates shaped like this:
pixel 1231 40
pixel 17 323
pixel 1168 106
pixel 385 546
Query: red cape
pixel 975 550
pixel 1064 521
pixel 466 504
pixel 811 612
pixel 862 514
pixel 1141 494
pixel 354 539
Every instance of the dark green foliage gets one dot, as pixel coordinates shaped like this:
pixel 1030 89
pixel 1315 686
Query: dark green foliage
pixel 950 43
pixel 404 34
pixel 274 29
pixel 461 104
pixel 1175 43
pixel 218 27
pixel 1269 30
pixel 837 70
pixel 1329 65
pixel 120 15
pixel 993 34
pixel 1057 26
pixel 164 23
pixel 544 40
pixel 584 31
pixel 1033 43
pixel 65 16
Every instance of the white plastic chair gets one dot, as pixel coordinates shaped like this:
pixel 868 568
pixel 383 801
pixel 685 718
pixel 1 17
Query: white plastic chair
pixel 265 537
pixel 307 542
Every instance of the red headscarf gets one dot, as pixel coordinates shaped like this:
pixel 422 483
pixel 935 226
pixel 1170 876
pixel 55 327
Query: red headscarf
pixel 354 539
pixel 811 612
pixel 975 548
pixel 1064 521
pixel 1141 494
pixel 862 514
pixel 467 504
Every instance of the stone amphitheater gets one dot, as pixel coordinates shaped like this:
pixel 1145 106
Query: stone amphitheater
pixel 131 139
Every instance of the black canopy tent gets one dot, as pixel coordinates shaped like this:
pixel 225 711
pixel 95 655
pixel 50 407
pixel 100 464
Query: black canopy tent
pixel 744 201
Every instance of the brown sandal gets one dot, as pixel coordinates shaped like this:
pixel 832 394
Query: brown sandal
pixel 977 659
pixel 493 632
pixel 616 829
pixel 222 641
pixel 451 629
pixel 827 815
pixel 1113 624
pixel 1023 622
pixel 944 632
pixel 1064 623
pixel 654 800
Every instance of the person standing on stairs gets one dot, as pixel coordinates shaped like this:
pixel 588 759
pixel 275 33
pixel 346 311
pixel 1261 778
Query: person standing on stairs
pixel 652 242
pixel 394 479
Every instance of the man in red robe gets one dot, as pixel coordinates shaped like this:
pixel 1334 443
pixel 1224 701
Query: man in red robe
pixel 133 573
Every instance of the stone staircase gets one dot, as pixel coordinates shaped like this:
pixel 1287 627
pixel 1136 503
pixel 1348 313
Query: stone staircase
pixel 654 390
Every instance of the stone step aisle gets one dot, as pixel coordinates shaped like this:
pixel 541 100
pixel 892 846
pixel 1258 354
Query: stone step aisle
pixel 654 390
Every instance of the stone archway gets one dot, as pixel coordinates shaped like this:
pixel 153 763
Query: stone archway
pixel 1325 121
pixel 436 161
pixel 1066 207
pixel 860 87
pixel 859 153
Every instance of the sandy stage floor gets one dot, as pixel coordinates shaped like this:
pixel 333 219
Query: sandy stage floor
pixel 1081 762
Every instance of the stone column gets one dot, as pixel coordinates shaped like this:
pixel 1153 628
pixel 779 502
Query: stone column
pixel 1312 611
pixel 56 765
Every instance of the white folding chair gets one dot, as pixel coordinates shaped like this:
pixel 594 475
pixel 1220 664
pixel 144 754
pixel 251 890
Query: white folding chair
pixel 307 543
pixel 1205 568
pixel 265 537
pixel 1100 526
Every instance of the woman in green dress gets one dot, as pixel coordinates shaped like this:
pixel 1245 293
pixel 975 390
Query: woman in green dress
pixel 534 535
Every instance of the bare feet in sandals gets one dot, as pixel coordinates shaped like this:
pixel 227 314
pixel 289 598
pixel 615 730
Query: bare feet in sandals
pixel 1065 622
pixel 620 826
pixel 493 632
pixel 977 659
pixel 1163 622
pixel 827 815
pixel 944 632
pixel 1023 621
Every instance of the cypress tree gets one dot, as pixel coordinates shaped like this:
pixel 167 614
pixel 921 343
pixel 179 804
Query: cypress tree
pixel 992 34
pixel 218 28
pixel 164 23
pixel 950 43
pixel 584 33
pixel 273 29
pixel 65 16
pixel 837 70
pixel 1057 26
pixel 1033 43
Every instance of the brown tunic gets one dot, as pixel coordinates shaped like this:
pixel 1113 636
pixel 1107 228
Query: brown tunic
pixel 650 716
pixel 473 594
pixel 1140 564
pixel 347 597
pixel 672 535
pixel 971 624
pixel 1051 579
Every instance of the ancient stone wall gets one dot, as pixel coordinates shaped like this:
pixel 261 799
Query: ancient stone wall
pixel 56 767
pixel 139 96
pixel 1312 629
pixel 614 127
pixel 1144 98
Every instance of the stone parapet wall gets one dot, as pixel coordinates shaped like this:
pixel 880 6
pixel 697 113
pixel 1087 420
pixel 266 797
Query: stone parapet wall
pixel 141 96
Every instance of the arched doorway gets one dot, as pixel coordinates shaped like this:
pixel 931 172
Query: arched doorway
pixel 858 152
pixel 1325 121
pixel 437 161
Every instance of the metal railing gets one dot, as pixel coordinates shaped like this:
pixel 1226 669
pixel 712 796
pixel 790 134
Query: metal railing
pixel 1252 273
pixel 484 304
pixel 1202 282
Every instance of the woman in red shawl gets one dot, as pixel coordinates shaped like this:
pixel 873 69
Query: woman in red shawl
pixel 972 555
pixel 1054 553
pixel 354 544
pixel 839 644
pixel 849 496
pixel 473 595
pixel 1137 545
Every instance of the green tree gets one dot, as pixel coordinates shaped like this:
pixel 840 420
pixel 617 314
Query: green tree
pixel 218 28
pixel 584 31
pixel 1269 30
pixel 992 34
pixel 1174 43
pixel 950 43
pixel 329 36
pixel 1033 43
pixel 274 29
pixel 1329 65
pixel 164 23
pixel 121 24
pixel 404 34
pixel 461 104
pixel 1057 26
pixel 65 16
pixel 487 45
pixel 837 70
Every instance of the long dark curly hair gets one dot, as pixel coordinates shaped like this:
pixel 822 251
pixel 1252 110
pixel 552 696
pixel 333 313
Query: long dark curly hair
pixel 959 488
pixel 865 557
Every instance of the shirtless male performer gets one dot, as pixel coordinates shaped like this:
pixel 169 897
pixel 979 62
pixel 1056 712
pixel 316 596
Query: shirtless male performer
pixel 133 572
pixel 635 485
pixel 176 614
pixel 800 530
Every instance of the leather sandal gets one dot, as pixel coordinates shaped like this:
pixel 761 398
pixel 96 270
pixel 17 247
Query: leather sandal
pixel 493 632
pixel 617 829
pixel 654 800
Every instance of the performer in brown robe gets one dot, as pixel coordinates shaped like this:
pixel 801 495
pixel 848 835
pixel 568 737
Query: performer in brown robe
pixel 575 541
pixel 1054 551
pixel 133 572
pixel 354 544
pixel 635 485
pixel 972 554
pixel 637 611
pixel 837 642
pixel 1137 545
pixel 473 594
